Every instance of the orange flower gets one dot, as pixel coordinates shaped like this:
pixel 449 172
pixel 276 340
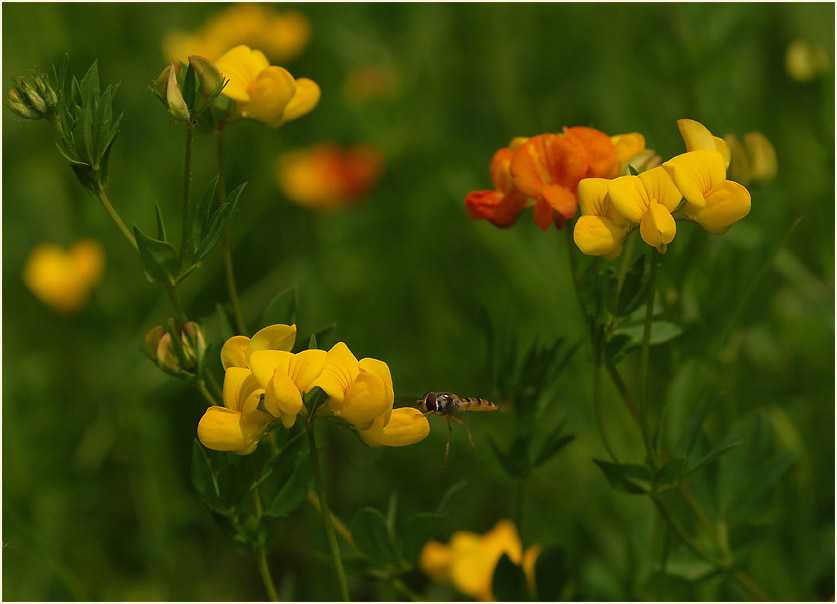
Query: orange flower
pixel 501 205
pixel 549 167
pixel 326 176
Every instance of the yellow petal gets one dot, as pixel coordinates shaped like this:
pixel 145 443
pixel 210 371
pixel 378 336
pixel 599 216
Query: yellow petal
pixel 696 173
pixel 234 379
pixel 282 397
pixel 234 352
pixel 339 372
pixel 269 95
pixel 263 364
pixel 659 186
pixel 435 559
pixel 241 66
pixel 597 236
pixel 657 227
pixel 223 429
pixel 629 197
pixel 366 399
pixel 307 366
pixel 89 257
pixel 288 419
pixel 382 369
pixel 530 556
pixel 272 337
pixel 304 100
pixel 722 148
pixel 591 196
pixel 695 135
pixel 249 396
pixel 725 205
pixel 406 426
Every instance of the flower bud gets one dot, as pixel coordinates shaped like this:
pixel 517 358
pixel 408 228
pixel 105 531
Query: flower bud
pixel 194 345
pixel 763 164
pixel 166 359
pixel 162 82
pixel 16 104
pixel 174 97
pixel 739 165
pixel 210 81
pixel 643 161
pixel 152 341
pixel 31 96
pixel 47 93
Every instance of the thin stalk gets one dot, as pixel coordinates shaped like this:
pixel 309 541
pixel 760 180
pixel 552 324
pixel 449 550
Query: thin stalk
pixel 206 393
pixel 103 198
pixel 402 587
pixel 186 228
pixel 326 514
pixel 176 303
pixel 518 505
pixel 264 571
pixel 216 389
pixel 232 291
pixel 338 524
pixel 646 341
pixel 575 271
pixel 597 404
pixel 622 387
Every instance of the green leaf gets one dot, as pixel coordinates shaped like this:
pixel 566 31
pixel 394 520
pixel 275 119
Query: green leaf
pixel 89 85
pixel 627 477
pixel 634 288
pixel 689 436
pixel 158 258
pixel 189 87
pixel 323 337
pixel 418 530
pixel 450 496
pixel 509 581
pixel 618 346
pixel 312 342
pixel 372 538
pixel 225 322
pixel 240 541
pixel 515 462
pixel 551 574
pixel 661 332
pixel 555 441
pixel 204 211
pixel 161 228
pixel 203 476
pixel 728 443
pixel 670 473
pixel 282 308
pixel 217 224
pixel 759 487
pixel 293 492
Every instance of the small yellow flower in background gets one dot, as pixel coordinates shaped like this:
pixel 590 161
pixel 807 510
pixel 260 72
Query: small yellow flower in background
pixel 469 559
pixel 711 200
pixel 325 176
pixel 627 147
pixel 282 35
pixel 285 377
pixel 648 199
pixel 239 424
pixel 762 155
pixel 804 61
pixel 371 81
pixel 600 230
pixel 64 279
pixel 237 350
pixel 264 92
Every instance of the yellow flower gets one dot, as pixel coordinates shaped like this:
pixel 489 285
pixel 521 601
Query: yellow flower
pixel 406 426
pixel 711 200
pixel 627 146
pixel 470 559
pixel 600 230
pixel 239 424
pixel 284 377
pixel 264 92
pixel 697 137
pixel 237 350
pixel 62 279
pixel 648 199
pixel 359 391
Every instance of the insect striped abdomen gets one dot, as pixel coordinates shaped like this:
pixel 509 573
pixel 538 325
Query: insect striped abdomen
pixel 477 404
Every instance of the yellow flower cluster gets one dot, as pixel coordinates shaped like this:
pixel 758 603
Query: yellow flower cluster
pixel 469 559
pixel 652 200
pixel 64 279
pixel 264 383
pixel 282 35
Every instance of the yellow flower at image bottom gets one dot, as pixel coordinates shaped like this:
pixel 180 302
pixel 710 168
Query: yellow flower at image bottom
pixel 64 279
pixel 469 559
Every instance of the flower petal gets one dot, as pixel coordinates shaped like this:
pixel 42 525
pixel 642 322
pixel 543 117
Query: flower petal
pixel 598 236
pixel 304 100
pixel 725 204
pixel 269 96
pixel 695 135
pixel 234 352
pixel 339 372
pixel 629 197
pixel 657 226
pixel 263 364
pixel 282 396
pixel 591 196
pixel 307 366
pixel 241 66
pixel 562 200
pixel 696 173
pixel 659 186
pixel 272 337
pixel 367 398
pixel 233 381
pixel 223 429
pixel 542 213
pixel 601 153
pixel 406 426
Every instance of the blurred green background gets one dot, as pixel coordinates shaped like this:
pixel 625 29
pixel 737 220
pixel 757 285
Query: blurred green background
pixel 97 500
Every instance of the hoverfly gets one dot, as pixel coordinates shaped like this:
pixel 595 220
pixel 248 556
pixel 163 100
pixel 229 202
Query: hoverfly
pixel 446 403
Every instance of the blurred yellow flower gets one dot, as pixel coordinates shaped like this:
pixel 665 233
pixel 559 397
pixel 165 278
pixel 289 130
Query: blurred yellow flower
pixel 711 200
pixel 804 61
pixel 239 424
pixel 282 35
pixel 284 377
pixel 627 146
pixel 359 391
pixel 326 176
pixel 264 92
pixel 237 350
pixel 64 279
pixel 371 81
pixel 468 561
pixel 648 199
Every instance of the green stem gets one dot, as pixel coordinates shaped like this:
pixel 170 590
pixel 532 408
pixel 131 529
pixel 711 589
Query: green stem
pixel 622 387
pixel 518 505
pixel 597 404
pixel 326 514
pixel 575 271
pixel 206 393
pixel 232 291
pixel 186 228
pixel 685 537
pixel 341 528
pixel 646 342
pixel 402 587
pixel 264 571
pixel 103 198
pixel 176 303
pixel 216 389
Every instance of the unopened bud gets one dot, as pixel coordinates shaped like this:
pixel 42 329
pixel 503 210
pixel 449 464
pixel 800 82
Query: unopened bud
pixel 174 97
pixel 763 164
pixel 162 82
pixel 642 161
pixel 16 104
pixel 739 165
pixel 47 93
pixel 152 340
pixel 166 358
pixel 31 96
pixel 210 81
pixel 194 346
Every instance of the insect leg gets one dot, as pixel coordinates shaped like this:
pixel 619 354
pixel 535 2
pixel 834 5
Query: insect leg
pixel 447 446
pixel 470 438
